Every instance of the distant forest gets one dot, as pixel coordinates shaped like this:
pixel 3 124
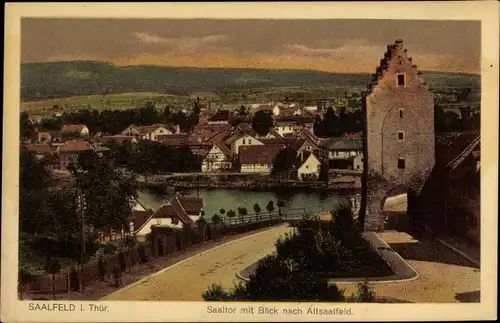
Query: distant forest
pixel 61 79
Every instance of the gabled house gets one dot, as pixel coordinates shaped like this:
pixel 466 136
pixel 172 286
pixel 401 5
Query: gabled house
pixel 147 132
pixel 44 137
pixel 290 124
pixel 69 151
pixel 35 118
pixel 118 139
pixel 258 159
pixel 272 134
pixel 241 139
pixel 309 168
pixel 342 152
pixel 180 212
pixel 220 117
pixel 75 130
pixel 202 133
pixel 303 147
pixel 43 152
pixel 218 159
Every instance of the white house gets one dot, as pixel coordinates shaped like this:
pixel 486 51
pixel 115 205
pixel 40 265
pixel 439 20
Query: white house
pixel 342 153
pixel 242 139
pixel 218 159
pixel 80 129
pixel 147 132
pixel 357 162
pixel 179 212
pixel 258 159
pixel 310 168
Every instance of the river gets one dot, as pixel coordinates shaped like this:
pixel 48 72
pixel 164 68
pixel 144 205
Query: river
pixel 215 199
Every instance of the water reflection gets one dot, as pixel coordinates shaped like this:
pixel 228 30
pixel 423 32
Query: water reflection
pixel 215 199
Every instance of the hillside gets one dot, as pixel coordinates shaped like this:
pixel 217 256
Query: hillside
pixel 61 79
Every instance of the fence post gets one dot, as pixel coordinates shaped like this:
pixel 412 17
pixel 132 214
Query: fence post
pixel 68 283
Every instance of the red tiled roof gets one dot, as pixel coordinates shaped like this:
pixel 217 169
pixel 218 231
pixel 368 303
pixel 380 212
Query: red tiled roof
pixel 139 218
pixel 173 140
pixel 259 154
pixel 144 130
pixel 181 212
pixel 165 211
pixel 224 149
pixel 40 149
pixel 353 135
pixel 221 115
pixel 192 204
pixel 278 141
pixel 75 145
pixel 116 138
pixel 294 119
pixel 245 127
pixel 297 144
pixel 72 128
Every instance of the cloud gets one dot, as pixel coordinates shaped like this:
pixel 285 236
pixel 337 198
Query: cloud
pixel 182 44
pixel 351 49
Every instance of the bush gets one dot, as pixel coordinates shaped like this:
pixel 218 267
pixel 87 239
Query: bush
pixel 141 252
pixel 74 281
pixel 122 260
pixel 365 293
pixel 101 269
pixel 277 279
pixel 216 293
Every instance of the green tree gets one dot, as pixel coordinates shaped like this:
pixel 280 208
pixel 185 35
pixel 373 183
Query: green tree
pixel 216 219
pixel 27 128
pixel 216 293
pixel 242 211
pixel 280 204
pixel 284 161
pixel 257 210
pixel 53 267
pixel 364 292
pixel 222 211
pixel 262 122
pixel 88 159
pixel 231 214
pixel 24 278
pixel 109 195
pixel 270 209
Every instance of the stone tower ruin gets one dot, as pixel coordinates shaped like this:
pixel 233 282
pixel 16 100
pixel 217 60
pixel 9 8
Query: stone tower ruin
pixel 399 134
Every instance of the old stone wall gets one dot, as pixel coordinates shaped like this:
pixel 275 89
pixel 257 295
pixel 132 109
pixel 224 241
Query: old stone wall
pixel 399 134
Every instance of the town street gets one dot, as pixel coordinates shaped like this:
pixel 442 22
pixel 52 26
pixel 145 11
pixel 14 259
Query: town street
pixel 186 281
pixel 444 275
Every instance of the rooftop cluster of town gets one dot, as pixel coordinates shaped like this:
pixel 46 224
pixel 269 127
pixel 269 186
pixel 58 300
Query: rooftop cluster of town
pixel 221 145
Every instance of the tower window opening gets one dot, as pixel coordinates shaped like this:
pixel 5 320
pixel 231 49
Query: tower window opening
pixel 401 163
pixel 401 135
pixel 401 113
pixel 401 80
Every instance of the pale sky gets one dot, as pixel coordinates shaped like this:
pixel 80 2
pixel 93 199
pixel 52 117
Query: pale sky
pixel 352 46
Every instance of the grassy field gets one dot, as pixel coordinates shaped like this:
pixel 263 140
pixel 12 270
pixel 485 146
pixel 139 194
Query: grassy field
pixel 101 85
pixel 101 102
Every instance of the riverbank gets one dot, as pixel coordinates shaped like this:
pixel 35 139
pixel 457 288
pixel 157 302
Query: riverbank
pixel 255 185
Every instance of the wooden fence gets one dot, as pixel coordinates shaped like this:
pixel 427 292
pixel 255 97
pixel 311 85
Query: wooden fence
pixel 163 241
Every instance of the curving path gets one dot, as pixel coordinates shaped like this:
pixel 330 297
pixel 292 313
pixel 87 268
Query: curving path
pixel 187 280
pixel 444 276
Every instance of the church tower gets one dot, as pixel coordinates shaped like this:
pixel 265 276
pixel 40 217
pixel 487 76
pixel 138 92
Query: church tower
pixel 399 133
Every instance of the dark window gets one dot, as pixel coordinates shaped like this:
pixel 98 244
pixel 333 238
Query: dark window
pixel 401 135
pixel 401 163
pixel 401 80
pixel 401 113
